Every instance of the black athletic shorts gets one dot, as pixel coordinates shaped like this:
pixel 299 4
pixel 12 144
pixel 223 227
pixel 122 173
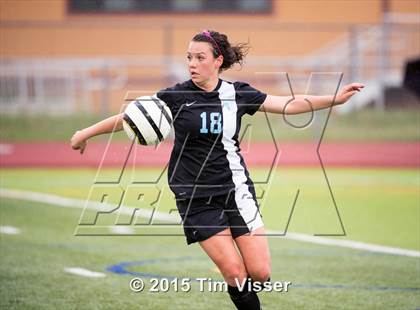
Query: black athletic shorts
pixel 206 216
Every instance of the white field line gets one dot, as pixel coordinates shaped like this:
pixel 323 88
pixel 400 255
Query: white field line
pixel 9 230
pixel 349 244
pixel 79 203
pixel 84 272
pixel 121 230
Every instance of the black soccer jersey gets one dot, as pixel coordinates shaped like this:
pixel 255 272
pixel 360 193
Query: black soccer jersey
pixel 206 158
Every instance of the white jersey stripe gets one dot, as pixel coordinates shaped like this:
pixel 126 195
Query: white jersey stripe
pixel 243 198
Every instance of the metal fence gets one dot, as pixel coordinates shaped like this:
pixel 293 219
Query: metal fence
pixel 374 54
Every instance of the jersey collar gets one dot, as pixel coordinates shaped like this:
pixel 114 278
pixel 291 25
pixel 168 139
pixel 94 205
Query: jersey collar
pixel 195 87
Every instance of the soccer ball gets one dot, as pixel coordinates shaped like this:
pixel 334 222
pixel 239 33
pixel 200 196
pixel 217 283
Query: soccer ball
pixel 147 119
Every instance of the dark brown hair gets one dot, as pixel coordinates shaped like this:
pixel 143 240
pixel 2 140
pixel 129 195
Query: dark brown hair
pixel 231 53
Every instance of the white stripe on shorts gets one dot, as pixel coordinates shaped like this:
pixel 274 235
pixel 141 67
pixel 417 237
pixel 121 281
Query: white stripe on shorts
pixel 243 197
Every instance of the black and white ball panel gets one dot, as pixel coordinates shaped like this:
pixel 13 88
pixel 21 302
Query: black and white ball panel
pixel 148 119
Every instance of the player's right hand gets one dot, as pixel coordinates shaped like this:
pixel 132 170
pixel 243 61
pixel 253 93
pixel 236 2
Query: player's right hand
pixel 78 142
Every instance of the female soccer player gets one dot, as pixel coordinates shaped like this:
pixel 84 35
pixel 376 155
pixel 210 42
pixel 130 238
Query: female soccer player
pixel 214 193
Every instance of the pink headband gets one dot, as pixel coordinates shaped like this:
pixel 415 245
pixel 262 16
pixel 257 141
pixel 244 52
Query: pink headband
pixel 208 35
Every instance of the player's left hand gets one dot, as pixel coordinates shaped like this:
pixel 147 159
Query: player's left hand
pixel 347 92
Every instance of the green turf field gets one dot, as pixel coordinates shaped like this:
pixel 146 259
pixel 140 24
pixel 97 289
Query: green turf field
pixel 365 125
pixel 376 206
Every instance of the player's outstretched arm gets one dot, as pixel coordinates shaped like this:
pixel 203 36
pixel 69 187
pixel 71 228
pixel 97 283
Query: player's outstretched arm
pixel 111 124
pixel 307 103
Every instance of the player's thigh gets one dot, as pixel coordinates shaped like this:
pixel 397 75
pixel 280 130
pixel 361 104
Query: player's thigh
pixel 221 249
pixel 255 254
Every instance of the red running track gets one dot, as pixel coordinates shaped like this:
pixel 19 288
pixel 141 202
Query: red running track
pixel 58 154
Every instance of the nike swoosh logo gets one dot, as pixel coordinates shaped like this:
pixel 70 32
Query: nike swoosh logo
pixel 190 103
